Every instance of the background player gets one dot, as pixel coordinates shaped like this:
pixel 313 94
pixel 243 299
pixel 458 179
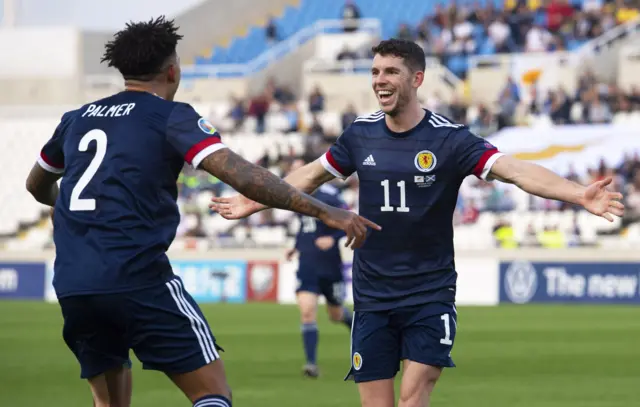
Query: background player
pixel 116 215
pixel 411 163
pixel 319 273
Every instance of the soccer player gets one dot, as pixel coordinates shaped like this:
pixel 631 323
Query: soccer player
pixel 410 163
pixel 115 216
pixel 319 273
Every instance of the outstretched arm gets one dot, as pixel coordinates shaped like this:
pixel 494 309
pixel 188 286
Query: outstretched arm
pixel 260 185
pixel 307 179
pixel 544 183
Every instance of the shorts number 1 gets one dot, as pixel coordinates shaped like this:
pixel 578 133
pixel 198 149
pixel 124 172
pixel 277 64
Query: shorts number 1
pixel 447 330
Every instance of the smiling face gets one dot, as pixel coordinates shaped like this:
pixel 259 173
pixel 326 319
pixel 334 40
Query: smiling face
pixel 394 83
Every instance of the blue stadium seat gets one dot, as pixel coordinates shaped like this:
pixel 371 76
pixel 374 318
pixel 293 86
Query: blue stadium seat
pixel 294 19
pixel 390 13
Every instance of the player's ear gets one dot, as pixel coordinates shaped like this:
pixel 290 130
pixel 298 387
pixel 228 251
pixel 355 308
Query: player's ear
pixel 418 78
pixel 171 74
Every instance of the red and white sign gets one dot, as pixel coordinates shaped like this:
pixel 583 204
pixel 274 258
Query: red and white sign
pixel 262 281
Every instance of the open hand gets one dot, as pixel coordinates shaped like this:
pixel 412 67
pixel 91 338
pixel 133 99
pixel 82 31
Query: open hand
pixel 599 201
pixel 234 207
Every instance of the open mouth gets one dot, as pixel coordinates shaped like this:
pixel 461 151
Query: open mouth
pixel 385 95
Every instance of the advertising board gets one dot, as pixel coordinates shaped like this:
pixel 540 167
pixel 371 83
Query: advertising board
pixel 22 280
pixel 524 282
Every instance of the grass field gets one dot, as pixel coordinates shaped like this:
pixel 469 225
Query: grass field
pixel 528 356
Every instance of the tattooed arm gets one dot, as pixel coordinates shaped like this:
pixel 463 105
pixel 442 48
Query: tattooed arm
pixel 42 184
pixel 259 184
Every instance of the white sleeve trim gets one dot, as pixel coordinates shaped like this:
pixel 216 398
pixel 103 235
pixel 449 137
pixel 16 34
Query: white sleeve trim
pixel 49 168
pixel 327 166
pixel 205 152
pixel 487 166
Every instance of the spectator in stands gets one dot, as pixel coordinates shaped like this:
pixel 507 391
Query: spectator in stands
pixel 598 112
pixel 507 108
pixel 196 229
pixel 485 124
pixel 504 235
pixel 423 36
pixel 457 109
pixel 470 212
pixel 280 93
pixel 258 108
pixel 350 16
pixel 316 100
pixel 520 20
pixel 592 6
pixel 558 107
pixel 346 54
pixel 348 116
pixel 405 33
pixel 237 113
pixel 463 42
pixel 292 115
pixel 559 12
pixel 538 39
pixel 500 35
pixel 627 11
pixel 271 31
pixel 315 141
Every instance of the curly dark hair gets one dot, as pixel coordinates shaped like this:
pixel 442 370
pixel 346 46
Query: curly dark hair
pixel 142 49
pixel 411 53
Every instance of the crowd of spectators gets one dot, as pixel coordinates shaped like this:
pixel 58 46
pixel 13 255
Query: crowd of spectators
pixel 456 31
pixel 476 196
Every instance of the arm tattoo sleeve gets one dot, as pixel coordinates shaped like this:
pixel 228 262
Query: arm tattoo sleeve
pixel 259 184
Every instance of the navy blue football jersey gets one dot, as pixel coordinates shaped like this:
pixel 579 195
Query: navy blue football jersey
pixel 116 214
pixel 325 263
pixel 409 185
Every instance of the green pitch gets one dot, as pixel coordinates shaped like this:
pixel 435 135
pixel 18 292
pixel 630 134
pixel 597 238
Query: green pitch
pixel 528 356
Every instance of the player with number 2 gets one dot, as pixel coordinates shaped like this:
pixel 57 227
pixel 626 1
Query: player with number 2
pixel 116 215
pixel 410 163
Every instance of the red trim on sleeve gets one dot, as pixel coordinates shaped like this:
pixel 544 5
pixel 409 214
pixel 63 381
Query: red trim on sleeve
pixel 477 171
pixel 333 162
pixel 50 162
pixel 196 148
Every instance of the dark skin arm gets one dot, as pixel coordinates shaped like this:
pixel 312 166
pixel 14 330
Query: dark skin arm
pixel 262 186
pixel 42 184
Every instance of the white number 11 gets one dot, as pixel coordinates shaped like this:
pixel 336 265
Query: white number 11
pixel 403 197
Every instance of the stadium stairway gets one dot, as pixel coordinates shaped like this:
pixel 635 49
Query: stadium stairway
pixel 251 42
pixel 244 48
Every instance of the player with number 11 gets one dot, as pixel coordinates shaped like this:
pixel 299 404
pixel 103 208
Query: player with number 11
pixel 410 163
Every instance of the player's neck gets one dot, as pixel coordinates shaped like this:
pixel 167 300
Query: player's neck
pixel 407 119
pixel 148 87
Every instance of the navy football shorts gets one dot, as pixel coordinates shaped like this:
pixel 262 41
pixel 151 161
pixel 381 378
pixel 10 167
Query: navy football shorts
pixel 333 289
pixel 162 324
pixel 381 339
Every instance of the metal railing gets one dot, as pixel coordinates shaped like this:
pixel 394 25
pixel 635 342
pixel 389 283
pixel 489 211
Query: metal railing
pixel 364 66
pixel 277 51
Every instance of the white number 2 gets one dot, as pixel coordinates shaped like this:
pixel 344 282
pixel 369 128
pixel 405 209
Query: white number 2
pixel 85 204
pixel 447 330
pixel 403 197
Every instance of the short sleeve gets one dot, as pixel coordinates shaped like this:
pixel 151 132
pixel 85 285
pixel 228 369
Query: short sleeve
pixel 193 136
pixel 337 160
pixel 475 155
pixel 51 157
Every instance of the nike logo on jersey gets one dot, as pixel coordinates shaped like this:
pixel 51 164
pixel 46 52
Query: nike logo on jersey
pixel 369 160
